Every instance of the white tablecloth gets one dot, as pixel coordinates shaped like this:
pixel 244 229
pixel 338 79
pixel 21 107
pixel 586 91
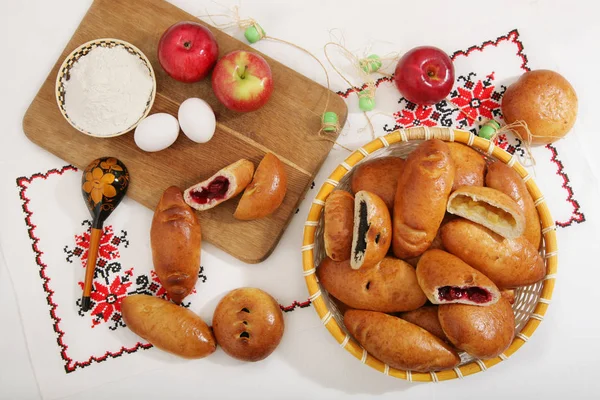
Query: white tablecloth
pixel 558 361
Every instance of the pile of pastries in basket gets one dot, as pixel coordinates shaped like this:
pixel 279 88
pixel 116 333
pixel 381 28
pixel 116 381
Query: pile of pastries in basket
pixel 423 255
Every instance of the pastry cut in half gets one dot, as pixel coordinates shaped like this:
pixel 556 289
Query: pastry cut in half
pixel 446 279
pixel 488 207
pixel 372 234
pixel 266 192
pixel 222 186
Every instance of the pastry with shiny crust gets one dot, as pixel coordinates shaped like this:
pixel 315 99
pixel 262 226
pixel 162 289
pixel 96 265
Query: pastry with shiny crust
pixel 427 318
pixel 509 295
pixel 545 101
pixel 508 263
pixel 167 326
pixel 176 242
pixel 421 198
pixel 338 225
pixel 399 343
pixel 505 179
pixel 446 279
pixel 470 165
pixel 372 233
pixel 379 176
pixel 388 286
pixel 248 324
pixel 266 192
pixel 222 186
pixel 490 208
pixel 483 332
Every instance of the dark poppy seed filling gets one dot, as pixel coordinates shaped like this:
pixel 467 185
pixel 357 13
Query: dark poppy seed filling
pixel 215 190
pixel 475 294
pixel 363 227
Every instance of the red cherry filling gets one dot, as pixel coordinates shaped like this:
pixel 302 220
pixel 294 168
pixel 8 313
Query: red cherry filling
pixel 475 294
pixel 215 190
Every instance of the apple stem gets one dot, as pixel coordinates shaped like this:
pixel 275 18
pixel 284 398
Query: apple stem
pixel 187 45
pixel 243 74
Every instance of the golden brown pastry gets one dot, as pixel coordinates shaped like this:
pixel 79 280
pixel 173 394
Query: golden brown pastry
pixel 372 233
pixel 388 286
pixel 435 244
pixel 379 176
pixel 338 225
pixel 507 262
pixel 483 332
pixel 167 326
pixel 490 208
pixel 427 318
pixel 446 279
pixel 176 240
pixel 545 101
pixel 505 179
pixel 222 186
pixel 509 295
pixel 421 198
pixel 470 165
pixel 248 324
pixel 266 191
pixel 399 343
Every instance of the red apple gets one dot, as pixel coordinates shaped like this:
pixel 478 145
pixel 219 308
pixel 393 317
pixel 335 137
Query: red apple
pixel 187 51
pixel 242 81
pixel 424 75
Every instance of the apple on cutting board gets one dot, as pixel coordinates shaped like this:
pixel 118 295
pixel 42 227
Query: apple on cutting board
pixel 242 81
pixel 424 75
pixel 188 51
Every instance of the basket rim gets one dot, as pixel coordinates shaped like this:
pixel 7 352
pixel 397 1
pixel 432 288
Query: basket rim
pixel 448 135
pixel 63 68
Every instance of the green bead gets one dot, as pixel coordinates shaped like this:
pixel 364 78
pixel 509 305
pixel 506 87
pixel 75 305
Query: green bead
pixel 254 33
pixel 365 102
pixel 488 129
pixel 371 64
pixel 330 120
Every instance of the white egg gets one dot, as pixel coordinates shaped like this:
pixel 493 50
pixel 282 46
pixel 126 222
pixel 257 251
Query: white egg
pixel 156 132
pixel 197 120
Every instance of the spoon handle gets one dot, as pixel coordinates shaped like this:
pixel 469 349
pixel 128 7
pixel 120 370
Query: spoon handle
pixel 90 267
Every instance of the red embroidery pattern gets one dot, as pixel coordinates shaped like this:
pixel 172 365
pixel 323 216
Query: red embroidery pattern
pixel 476 99
pixel 70 365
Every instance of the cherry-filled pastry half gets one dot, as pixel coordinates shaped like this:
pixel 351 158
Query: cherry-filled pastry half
pixel 446 279
pixel 372 235
pixel 222 186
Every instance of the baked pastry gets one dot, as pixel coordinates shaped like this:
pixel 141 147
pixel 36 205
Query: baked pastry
pixel 222 186
pixel 435 244
pixel 490 208
pixel 470 165
pixel 545 101
pixel 446 279
pixel 266 191
pixel 399 343
pixel 248 324
pixel 176 242
pixel 421 198
pixel 379 176
pixel 505 179
pixel 338 225
pixel 427 318
pixel 388 286
pixel 483 332
pixel 372 234
pixel 167 326
pixel 507 262
pixel 509 295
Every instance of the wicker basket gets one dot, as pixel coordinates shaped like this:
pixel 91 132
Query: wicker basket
pixel 531 302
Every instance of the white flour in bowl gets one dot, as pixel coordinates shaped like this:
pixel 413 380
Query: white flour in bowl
pixel 107 91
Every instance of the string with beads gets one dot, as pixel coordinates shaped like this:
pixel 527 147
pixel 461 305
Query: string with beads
pixel 254 32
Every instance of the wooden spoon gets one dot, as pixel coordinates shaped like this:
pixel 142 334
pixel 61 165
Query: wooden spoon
pixel 103 185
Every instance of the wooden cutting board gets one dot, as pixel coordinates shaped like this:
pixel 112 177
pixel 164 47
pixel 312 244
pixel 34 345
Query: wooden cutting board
pixel 287 126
